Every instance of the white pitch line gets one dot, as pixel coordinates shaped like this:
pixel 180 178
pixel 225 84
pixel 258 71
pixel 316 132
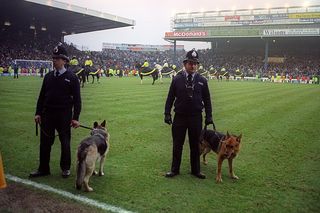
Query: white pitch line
pixel 79 198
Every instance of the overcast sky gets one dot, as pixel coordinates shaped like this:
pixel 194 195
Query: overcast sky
pixel 153 18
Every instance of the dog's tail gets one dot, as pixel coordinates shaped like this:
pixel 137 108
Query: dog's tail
pixel 81 166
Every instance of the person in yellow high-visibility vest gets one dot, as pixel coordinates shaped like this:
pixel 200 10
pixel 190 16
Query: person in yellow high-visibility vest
pixel 74 61
pixel 3 183
pixel 88 62
pixel 88 67
pixel 165 63
pixel 145 66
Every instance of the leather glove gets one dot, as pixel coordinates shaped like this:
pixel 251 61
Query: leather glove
pixel 208 121
pixel 168 119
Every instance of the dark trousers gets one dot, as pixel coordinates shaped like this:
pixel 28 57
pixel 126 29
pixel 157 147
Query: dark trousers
pixel 182 123
pixel 50 121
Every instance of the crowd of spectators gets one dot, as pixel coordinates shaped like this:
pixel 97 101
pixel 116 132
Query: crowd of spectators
pixel 249 64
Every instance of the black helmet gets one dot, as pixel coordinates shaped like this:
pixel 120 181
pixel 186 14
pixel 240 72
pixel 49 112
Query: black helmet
pixel 192 56
pixel 60 52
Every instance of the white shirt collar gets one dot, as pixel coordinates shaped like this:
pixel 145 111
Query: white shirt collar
pixel 61 71
pixel 186 74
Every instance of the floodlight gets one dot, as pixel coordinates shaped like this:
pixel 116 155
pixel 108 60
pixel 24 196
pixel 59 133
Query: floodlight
pixel 43 28
pixel 7 23
pixel 32 27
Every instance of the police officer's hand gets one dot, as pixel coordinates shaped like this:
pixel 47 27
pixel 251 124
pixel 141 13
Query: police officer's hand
pixel 168 119
pixel 37 119
pixel 208 120
pixel 75 123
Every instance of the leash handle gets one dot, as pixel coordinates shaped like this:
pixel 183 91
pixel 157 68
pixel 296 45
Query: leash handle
pixel 213 127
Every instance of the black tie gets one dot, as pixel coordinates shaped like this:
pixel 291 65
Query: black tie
pixel 57 73
pixel 189 86
pixel 189 80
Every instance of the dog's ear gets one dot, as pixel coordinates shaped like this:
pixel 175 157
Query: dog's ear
pixel 95 124
pixel 228 135
pixel 103 124
pixel 239 138
pixel 223 139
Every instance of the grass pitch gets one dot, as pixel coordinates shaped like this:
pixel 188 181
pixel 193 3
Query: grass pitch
pixel 278 164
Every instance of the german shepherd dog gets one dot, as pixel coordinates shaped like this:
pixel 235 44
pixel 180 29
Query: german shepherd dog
pixel 225 146
pixel 91 149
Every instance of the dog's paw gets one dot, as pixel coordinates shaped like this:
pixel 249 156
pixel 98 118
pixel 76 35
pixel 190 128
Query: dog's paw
pixel 101 173
pixel 218 179
pixel 234 177
pixel 89 189
pixel 205 162
pixel 94 173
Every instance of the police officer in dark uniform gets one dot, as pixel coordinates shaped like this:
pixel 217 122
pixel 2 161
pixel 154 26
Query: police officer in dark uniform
pixel 189 93
pixel 58 108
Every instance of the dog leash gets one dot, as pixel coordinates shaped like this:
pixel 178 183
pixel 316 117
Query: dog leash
pixel 85 127
pixel 44 132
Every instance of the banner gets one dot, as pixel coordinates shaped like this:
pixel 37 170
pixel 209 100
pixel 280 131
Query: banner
pixel 276 60
pixel 291 32
pixel 140 47
pixel 304 15
pixel 232 18
pixel 187 34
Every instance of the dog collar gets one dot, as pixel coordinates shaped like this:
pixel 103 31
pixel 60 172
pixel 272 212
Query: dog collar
pixel 100 136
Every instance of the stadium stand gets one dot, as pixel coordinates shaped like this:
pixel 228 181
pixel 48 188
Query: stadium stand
pixel 294 57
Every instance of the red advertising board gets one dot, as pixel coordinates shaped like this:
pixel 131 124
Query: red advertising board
pixel 187 34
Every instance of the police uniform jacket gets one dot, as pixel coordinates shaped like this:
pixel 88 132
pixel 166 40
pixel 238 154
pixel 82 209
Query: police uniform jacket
pixel 183 104
pixel 59 93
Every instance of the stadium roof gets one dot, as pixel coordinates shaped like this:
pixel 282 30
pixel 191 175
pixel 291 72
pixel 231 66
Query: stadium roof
pixel 56 17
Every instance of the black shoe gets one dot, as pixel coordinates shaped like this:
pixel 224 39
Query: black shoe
pixel 171 174
pixel 199 175
pixel 38 174
pixel 65 173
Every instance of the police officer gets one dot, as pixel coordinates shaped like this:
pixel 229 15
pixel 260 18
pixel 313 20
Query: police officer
pixel 58 108
pixel 145 66
pixel 88 62
pixel 88 67
pixel 74 61
pixel 15 70
pixel 189 93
